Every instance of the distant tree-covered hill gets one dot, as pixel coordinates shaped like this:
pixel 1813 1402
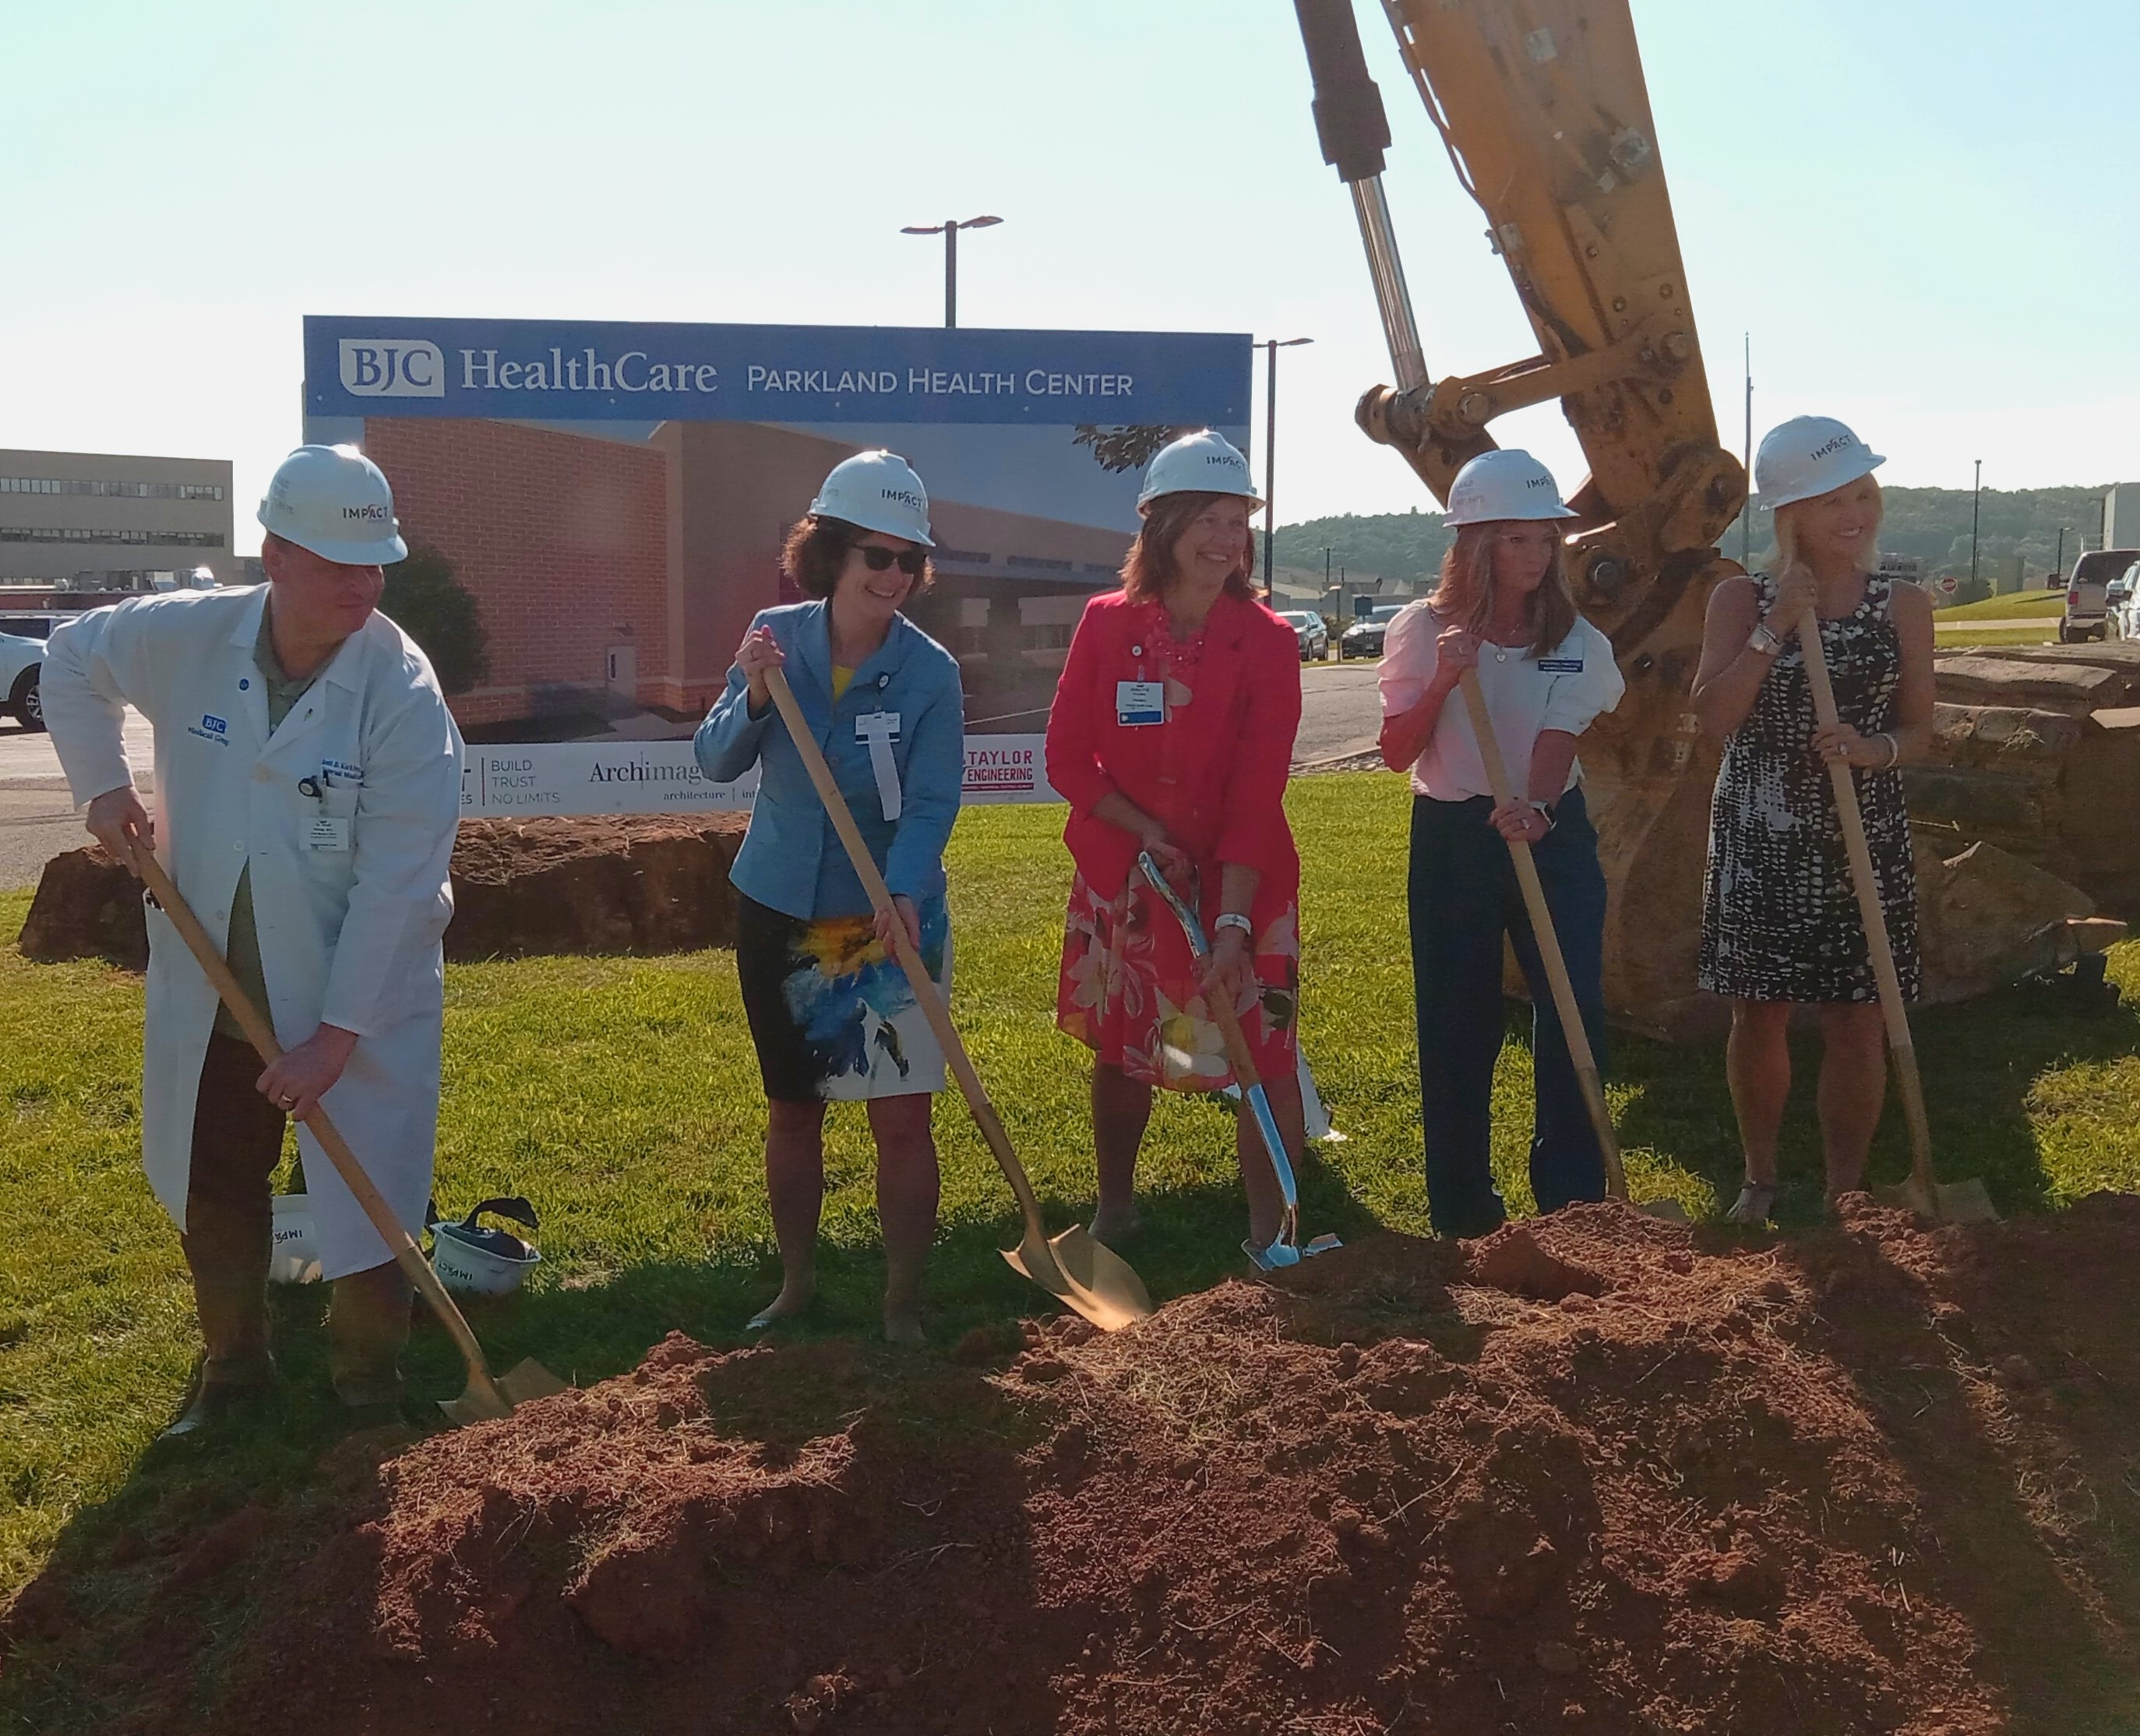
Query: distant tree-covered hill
pixel 1931 523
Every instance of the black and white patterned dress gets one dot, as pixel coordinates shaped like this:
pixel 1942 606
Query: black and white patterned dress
pixel 1779 918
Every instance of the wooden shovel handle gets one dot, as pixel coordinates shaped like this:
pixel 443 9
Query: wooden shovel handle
pixel 925 992
pixel 1572 1029
pixel 1875 918
pixel 261 1036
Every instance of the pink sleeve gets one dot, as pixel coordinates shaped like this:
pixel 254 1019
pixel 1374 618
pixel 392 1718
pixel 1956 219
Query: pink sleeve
pixel 1409 656
pixel 1073 755
pixel 1253 830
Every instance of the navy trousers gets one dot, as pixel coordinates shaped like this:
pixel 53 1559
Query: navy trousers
pixel 1464 898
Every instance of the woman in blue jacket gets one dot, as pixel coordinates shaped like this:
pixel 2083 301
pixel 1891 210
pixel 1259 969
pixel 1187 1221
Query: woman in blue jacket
pixel 831 1013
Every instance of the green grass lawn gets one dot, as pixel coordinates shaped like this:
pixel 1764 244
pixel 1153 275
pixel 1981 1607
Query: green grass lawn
pixel 621 1095
pixel 2014 605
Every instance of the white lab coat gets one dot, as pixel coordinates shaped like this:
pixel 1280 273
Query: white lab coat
pixel 347 937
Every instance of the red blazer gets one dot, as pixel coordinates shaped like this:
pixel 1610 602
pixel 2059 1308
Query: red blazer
pixel 1214 774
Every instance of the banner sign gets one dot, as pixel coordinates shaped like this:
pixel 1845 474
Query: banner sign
pixel 663 777
pixel 577 369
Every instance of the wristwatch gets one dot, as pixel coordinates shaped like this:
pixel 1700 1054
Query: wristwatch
pixel 1763 640
pixel 1546 809
pixel 1233 920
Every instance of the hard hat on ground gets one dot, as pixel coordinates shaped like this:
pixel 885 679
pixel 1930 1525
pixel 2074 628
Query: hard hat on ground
pixel 879 491
pixel 334 501
pixel 1506 483
pixel 1807 456
pixel 1202 463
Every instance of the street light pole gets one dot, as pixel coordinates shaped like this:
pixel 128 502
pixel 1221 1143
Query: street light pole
pixel 1746 522
pixel 949 229
pixel 1975 504
pixel 1271 345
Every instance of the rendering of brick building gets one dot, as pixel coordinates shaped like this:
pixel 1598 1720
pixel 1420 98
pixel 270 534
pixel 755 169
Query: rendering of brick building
pixel 619 574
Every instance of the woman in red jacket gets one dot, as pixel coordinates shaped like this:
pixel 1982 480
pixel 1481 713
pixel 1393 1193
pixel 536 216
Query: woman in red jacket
pixel 1172 731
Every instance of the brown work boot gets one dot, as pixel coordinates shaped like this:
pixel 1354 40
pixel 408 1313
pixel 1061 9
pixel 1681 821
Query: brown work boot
pixel 367 1325
pixel 212 1400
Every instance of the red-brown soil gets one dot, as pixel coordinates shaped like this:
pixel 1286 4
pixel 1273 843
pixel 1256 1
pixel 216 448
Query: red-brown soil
pixel 1878 1478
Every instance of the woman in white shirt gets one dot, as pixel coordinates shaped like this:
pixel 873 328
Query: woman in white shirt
pixel 1502 607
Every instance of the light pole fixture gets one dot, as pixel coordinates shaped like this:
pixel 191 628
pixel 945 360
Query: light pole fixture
pixel 1976 503
pixel 1271 345
pixel 949 229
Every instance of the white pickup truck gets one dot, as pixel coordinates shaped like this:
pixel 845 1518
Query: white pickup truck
pixel 21 656
pixel 2088 611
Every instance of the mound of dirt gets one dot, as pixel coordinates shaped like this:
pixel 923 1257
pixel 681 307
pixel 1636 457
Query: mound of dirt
pixel 639 883
pixel 1874 1479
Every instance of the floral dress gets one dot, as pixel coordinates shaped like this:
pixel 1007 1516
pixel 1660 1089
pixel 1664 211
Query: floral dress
pixel 1131 989
pixel 1780 916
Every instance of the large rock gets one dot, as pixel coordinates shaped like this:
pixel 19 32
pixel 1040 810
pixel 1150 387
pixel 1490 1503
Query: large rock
pixel 640 883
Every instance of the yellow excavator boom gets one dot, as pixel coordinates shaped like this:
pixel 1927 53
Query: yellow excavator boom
pixel 1543 108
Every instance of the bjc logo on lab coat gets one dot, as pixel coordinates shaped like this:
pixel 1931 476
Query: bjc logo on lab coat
pixel 392 367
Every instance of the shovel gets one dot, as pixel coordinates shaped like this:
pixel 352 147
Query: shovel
pixel 1285 1248
pixel 1963 1202
pixel 1572 1027
pixel 487 1396
pixel 1088 1276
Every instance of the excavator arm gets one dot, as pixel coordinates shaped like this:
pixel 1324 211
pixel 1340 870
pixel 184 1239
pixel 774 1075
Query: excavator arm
pixel 1546 118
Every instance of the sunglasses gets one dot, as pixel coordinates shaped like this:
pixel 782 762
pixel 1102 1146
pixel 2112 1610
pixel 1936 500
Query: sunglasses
pixel 910 560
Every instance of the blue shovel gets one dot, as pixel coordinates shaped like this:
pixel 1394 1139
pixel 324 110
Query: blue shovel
pixel 1286 1249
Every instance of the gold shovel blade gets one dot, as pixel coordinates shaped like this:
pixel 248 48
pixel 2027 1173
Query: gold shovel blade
pixel 1951 1202
pixel 486 1400
pixel 1084 1274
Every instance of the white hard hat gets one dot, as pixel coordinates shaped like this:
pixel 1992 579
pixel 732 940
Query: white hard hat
pixel 1506 483
pixel 334 501
pixel 1806 457
pixel 1203 463
pixel 879 491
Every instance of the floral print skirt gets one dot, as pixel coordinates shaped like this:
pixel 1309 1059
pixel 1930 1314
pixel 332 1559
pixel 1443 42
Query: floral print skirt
pixel 1129 988
pixel 831 1013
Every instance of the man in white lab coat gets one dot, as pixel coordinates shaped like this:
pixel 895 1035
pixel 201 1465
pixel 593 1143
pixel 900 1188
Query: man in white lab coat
pixel 307 789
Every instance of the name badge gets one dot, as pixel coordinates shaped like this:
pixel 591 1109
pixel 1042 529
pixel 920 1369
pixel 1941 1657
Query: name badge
pixel 325 831
pixel 1560 665
pixel 1140 703
pixel 879 730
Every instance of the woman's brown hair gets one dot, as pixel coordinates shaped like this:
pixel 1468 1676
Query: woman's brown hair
pixel 1149 565
pixel 1464 594
pixel 817 549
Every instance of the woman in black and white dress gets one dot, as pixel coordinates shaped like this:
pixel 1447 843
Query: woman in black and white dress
pixel 1780 922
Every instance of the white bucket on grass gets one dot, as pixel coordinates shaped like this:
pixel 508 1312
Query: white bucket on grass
pixel 295 1256
pixel 490 1266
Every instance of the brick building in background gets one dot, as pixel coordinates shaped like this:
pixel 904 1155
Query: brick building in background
pixel 615 574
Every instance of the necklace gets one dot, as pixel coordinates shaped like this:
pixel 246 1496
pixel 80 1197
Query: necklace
pixel 1176 655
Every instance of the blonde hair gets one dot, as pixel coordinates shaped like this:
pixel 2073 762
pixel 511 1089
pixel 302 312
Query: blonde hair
pixel 1464 593
pixel 1787 530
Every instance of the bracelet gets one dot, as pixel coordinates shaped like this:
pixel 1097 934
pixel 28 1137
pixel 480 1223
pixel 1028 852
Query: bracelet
pixel 1233 920
pixel 1764 639
pixel 1894 750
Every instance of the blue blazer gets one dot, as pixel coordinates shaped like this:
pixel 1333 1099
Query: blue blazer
pixel 792 860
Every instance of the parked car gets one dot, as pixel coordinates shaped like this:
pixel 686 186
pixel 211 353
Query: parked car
pixel 2087 615
pixel 2120 605
pixel 36 625
pixel 1309 628
pixel 21 658
pixel 1364 637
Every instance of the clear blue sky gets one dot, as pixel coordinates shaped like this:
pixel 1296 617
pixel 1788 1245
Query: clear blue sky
pixel 1928 212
